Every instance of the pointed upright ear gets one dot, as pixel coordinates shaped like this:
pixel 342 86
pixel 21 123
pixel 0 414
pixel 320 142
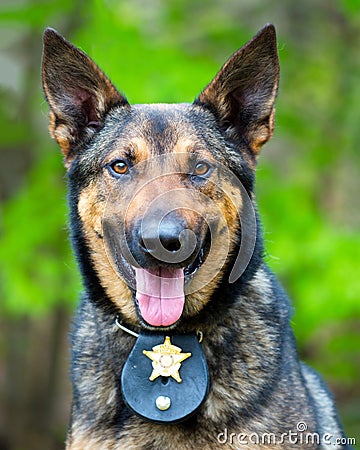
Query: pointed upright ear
pixel 243 93
pixel 78 93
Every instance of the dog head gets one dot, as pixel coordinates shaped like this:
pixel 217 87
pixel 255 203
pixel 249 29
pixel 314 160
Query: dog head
pixel 161 195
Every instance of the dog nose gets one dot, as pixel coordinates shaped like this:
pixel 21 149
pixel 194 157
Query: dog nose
pixel 168 239
pixel 168 233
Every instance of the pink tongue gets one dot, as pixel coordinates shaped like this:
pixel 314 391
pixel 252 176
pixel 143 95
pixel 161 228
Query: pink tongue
pixel 160 295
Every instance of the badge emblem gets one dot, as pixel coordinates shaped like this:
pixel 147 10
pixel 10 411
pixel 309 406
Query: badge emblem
pixel 150 379
pixel 166 360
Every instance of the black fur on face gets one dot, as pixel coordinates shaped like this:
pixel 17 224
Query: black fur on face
pixel 94 124
pixel 200 160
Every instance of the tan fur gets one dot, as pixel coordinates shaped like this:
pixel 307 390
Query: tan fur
pixel 91 212
pixel 137 146
pixel 257 384
pixel 203 285
pixel 261 134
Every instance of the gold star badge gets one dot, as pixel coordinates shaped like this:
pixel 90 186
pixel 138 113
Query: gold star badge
pixel 166 360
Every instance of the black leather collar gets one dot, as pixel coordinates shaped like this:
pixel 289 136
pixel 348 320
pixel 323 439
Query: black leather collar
pixel 165 378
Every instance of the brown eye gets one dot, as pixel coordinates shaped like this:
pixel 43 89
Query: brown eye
pixel 201 168
pixel 119 167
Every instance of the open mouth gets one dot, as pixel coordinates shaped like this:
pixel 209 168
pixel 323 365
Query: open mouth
pixel 159 288
pixel 160 295
pixel 160 292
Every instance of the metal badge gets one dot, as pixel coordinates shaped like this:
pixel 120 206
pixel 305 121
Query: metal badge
pixel 166 360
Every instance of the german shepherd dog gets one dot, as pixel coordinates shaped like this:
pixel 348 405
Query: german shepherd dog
pixel 168 240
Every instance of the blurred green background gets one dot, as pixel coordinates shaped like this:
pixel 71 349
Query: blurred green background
pixel 308 184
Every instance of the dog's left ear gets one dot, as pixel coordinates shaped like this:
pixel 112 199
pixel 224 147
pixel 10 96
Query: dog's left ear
pixel 78 92
pixel 243 93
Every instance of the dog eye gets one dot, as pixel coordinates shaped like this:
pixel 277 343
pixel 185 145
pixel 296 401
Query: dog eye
pixel 201 169
pixel 119 167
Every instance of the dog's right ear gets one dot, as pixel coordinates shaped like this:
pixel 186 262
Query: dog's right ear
pixel 78 92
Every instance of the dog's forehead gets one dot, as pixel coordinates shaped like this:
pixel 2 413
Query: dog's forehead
pixel 165 112
pixel 165 122
pixel 164 126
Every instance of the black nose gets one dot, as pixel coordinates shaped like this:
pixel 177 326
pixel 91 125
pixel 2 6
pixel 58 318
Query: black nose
pixel 166 238
pixel 166 233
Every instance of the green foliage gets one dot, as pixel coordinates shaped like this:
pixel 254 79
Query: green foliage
pixel 146 66
pixel 317 263
pixel 33 13
pixel 308 179
pixel 38 270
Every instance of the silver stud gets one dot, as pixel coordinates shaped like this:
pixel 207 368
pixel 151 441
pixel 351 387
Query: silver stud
pixel 163 403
